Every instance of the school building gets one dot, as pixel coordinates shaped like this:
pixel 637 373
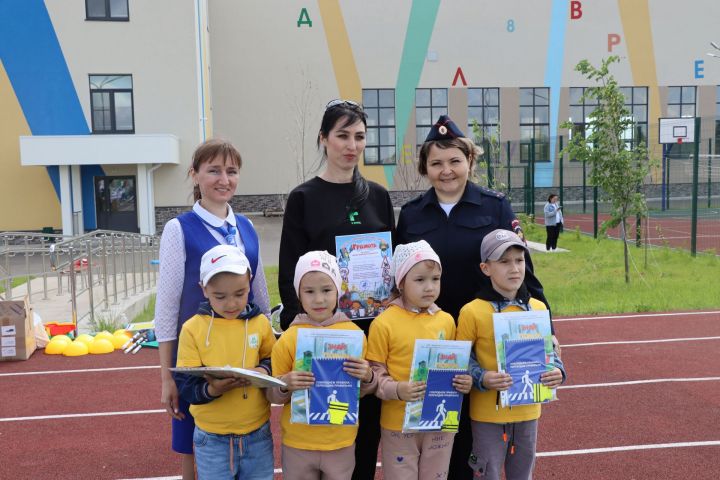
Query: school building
pixel 102 102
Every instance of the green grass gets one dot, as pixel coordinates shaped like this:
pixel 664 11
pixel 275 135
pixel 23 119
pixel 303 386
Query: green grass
pixel 148 313
pixel 590 278
pixel 15 282
pixel 271 276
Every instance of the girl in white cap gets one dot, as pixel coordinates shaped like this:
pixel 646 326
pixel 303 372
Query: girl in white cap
pixel 410 316
pixel 318 451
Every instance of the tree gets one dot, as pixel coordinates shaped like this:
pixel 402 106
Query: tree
pixel 488 166
pixel 619 164
pixel 303 125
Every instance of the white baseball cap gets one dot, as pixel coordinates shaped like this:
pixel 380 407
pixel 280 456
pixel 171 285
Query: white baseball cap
pixel 223 258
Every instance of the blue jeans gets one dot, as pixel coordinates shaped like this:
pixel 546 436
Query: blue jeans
pixel 246 457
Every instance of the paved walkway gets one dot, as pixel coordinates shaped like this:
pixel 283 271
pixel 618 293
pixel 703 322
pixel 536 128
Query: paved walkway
pixel 537 247
pixel 54 306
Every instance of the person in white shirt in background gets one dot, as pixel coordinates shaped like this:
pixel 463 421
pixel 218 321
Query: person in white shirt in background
pixel 553 222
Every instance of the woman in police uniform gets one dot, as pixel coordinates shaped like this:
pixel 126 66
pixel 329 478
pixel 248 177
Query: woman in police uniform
pixel 454 216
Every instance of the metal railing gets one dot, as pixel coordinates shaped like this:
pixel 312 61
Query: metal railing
pixel 117 264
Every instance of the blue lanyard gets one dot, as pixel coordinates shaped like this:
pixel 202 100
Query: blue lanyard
pixel 227 233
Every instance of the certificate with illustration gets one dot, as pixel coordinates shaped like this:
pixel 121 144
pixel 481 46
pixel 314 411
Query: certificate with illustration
pixel 524 349
pixel 364 262
pixel 334 399
pixel 436 362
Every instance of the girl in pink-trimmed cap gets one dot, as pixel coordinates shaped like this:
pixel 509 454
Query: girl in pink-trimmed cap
pixel 410 316
pixel 318 451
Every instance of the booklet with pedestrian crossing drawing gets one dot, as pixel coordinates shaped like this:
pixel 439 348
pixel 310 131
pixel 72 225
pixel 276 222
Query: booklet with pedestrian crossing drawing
pixel 436 362
pixel 524 349
pixel 334 399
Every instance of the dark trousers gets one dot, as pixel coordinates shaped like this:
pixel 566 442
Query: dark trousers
pixel 368 438
pixel 553 232
pixel 462 447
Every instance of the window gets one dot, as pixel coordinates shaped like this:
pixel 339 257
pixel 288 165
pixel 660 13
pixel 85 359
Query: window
pixel 681 102
pixel 636 101
pixel 535 123
pixel 379 104
pixel 430 103
pixel 483 108
pixel 111 104
pixel 107 10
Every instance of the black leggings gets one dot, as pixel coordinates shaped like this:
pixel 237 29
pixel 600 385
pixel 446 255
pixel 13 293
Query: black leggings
pixel 368 438
pixel 553 232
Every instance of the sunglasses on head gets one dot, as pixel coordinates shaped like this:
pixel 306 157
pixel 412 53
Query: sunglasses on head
pixel 340 101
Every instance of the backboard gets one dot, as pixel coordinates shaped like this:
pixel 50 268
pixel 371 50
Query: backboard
pixel 677 130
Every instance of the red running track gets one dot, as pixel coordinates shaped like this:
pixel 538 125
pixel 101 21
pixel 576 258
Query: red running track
pixel 585 435
pixel 671 231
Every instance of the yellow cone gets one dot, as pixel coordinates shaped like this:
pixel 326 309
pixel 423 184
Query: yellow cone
pixel 56 347
pixel 100 346
pixel 104 334
pixel 85 338
pixel 120 331
pixel 61 338
pixel 119 340
pixel 75 349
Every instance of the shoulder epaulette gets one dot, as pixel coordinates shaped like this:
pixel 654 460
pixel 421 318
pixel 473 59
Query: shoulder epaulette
pixel 491 193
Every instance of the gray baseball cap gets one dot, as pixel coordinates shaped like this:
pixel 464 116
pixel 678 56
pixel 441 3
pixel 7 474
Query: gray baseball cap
pixel 496 242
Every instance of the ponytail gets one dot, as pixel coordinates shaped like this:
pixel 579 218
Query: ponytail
pixel 361 190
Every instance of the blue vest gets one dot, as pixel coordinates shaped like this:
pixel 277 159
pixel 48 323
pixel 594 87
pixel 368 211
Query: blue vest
pixel 199 240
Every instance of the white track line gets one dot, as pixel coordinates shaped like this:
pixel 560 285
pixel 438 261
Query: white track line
pixel 639 315
pixel 145 412
pixel 277 470
pixel 628 448
pixel 639 382
pixel 79 415
pixel 86 370
pixel 631 342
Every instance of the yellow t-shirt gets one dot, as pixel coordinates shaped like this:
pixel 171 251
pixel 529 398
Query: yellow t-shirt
pixel 297 435
pixel 230 413
pixel 475 324
pixel 392 342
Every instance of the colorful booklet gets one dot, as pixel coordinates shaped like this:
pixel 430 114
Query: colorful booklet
pixel 364 262
pixel 257 379
pixel 437 362
pixel 334 399
pixel 524 349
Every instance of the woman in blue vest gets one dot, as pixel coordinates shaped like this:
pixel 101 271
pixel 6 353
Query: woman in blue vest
pixel 214 172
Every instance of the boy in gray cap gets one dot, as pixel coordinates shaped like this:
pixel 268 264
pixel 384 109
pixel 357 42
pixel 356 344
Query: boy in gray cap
pixel 501 436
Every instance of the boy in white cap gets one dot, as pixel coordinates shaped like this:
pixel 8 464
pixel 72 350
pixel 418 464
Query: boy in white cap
pixel 232 437
pixel 319 451
pixel 502 437
pixel 411 315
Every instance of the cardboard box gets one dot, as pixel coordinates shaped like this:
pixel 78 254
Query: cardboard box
pixel 17 339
